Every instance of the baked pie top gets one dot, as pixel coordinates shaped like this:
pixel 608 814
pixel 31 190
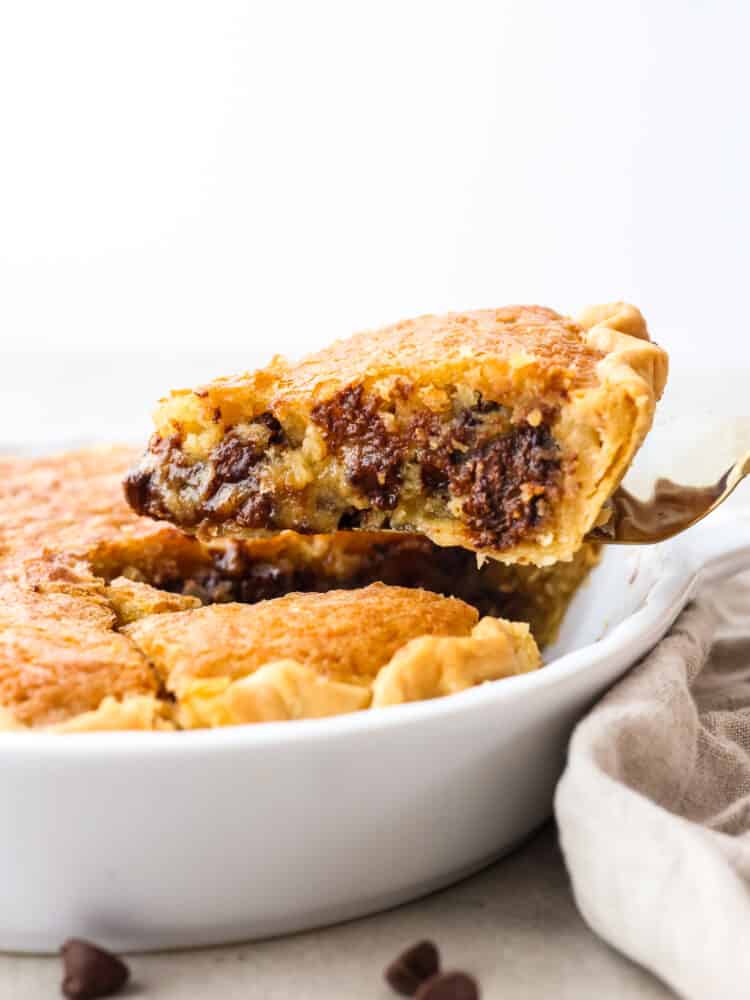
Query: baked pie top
pixel 306 655
pixel 502 431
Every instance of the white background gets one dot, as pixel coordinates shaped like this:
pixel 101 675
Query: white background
pixel 185 187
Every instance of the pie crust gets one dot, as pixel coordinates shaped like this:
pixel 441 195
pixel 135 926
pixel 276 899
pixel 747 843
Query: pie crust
pixel 310 655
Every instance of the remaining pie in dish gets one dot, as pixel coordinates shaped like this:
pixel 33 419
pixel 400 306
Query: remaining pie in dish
pixel 500 431
pixel 110 621
pixel 310 655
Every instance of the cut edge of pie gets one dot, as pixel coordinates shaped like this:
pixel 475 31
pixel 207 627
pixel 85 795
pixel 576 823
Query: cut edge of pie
pixel 500 431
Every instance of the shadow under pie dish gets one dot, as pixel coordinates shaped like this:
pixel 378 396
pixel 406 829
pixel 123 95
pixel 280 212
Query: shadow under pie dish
pixel 109 620
pixel 499 431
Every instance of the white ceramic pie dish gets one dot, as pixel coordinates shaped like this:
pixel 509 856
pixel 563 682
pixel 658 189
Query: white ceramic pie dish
pixel 152 840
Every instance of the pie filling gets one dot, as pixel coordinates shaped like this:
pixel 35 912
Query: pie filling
pixel 362 461
pixel 233 572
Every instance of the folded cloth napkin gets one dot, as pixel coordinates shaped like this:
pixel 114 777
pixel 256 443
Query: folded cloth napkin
pixel 654 805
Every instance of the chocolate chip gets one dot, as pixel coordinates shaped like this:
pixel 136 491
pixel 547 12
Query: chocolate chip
pixel 413 967
pixel 352 425
pixel 434 479
pixel 137 485
pixel 268 420
pixel 91 972
pixel 449 986
pixel 350 519
pixel 256 512
pixel 508 483
pixel 233 459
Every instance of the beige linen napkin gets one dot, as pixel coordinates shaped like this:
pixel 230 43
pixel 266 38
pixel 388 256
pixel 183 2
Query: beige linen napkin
pixel 654 805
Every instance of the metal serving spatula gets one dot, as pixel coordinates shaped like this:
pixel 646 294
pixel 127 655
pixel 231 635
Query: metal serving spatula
pixel 671 509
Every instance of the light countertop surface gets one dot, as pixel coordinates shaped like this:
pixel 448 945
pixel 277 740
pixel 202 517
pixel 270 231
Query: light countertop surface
pixel 514 926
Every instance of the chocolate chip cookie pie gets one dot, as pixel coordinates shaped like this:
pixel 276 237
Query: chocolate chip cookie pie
pixel 312 534
pixel 501 431
pixel 109 620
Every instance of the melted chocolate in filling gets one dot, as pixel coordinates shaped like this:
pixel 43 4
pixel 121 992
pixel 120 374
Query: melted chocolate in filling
pixel 505 480
pixel 404 562
pixel 508 483
pixel 351 423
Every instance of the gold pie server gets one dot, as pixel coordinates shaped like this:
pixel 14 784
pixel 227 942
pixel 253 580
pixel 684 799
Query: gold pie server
pixel 670 510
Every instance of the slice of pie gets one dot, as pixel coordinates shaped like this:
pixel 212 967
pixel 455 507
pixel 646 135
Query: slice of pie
pixel 501 431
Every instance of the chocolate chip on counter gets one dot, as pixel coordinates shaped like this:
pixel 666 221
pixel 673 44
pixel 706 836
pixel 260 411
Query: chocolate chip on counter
pixel 406 973
pixel 91 972
pixel 449 986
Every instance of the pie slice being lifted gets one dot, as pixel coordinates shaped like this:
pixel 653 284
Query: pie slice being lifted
pixel 503 431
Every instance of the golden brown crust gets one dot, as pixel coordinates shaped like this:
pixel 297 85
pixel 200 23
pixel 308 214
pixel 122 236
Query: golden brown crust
pixel 277 692
pixel 536 348
pixel 502 431
pixel 69 503
pixel 60 653
pixel 132 600
pixel 131 712
pixel 536 351
pixel 433 666
pixel 59 656
pixel 309 655
pixel 344 634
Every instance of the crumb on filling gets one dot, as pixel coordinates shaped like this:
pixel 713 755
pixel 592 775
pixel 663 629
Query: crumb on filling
pixel 363 462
